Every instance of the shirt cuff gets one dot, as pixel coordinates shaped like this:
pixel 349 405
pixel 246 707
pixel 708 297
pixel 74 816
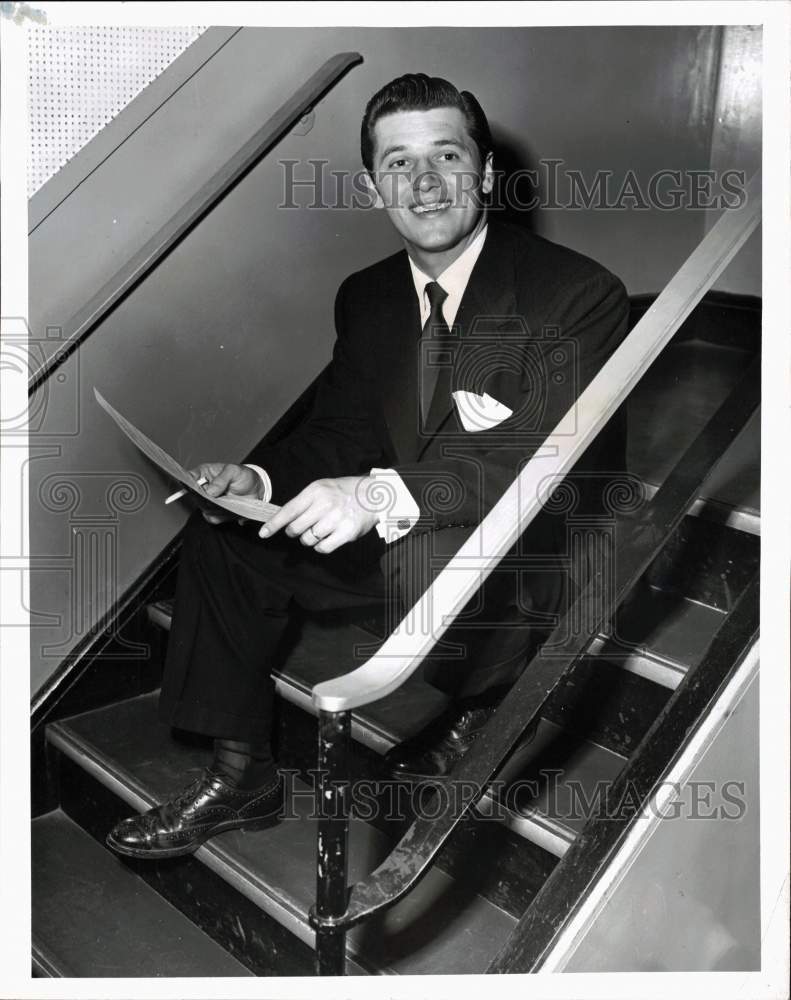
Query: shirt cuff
pixel 396 518
pixel 266 482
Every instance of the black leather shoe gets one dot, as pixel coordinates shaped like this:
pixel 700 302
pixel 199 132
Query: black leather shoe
pixel 433 753
pixel 206 807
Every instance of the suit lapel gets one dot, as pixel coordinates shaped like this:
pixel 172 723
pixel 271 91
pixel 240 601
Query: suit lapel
pixel 397 357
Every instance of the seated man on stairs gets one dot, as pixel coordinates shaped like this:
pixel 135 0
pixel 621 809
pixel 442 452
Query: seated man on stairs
pixel 454 359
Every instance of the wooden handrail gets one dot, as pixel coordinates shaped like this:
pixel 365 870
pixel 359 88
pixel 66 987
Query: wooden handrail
pixel 402 653
pixel 86 319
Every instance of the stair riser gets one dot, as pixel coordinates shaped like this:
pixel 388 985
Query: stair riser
pixel 706 562
pixel 235 922
pixel 607 705
pixel 110 676
pixel 94 917
pixel 721 319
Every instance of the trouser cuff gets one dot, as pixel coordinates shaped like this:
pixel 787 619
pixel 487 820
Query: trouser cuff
pixel 208 721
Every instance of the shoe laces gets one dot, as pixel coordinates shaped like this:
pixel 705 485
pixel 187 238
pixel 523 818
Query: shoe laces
pixel 186 795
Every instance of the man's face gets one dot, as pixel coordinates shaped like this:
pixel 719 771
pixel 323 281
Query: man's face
pixel 429 179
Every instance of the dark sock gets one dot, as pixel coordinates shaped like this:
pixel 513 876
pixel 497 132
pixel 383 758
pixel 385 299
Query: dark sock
pixel 244 764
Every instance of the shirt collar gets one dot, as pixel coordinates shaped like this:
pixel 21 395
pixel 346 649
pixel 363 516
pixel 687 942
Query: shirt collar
pixel 454 278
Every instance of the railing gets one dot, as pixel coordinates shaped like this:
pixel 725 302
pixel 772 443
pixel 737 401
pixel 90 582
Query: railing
pixel 85 321
pixel 336 908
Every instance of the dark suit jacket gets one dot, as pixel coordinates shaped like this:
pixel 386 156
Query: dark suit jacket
pixel 535 324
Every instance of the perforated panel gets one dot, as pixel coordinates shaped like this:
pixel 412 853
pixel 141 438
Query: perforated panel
pixel 80 78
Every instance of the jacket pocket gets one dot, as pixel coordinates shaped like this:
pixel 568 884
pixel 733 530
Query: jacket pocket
pixel 479 413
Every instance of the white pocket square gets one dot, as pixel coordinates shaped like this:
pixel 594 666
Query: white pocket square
pixel 478 413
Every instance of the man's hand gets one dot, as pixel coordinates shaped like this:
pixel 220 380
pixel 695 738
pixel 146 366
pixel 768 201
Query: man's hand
pixel 226 479
pixel 326 514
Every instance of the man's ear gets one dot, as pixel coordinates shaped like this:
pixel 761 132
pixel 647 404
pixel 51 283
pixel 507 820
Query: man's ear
pixel 372 189
pixel 487 180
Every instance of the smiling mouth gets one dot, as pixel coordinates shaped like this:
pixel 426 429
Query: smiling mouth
pixel 433 208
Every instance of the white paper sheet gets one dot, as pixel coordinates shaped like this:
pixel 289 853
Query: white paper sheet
pixel 253 510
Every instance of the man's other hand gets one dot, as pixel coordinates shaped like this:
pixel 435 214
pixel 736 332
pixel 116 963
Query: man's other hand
pixel 326 514
pixel 226 479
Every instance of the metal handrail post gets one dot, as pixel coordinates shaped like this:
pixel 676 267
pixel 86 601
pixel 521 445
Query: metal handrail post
pixel 332 807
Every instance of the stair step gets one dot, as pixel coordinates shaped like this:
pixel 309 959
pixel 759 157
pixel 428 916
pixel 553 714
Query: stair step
pixel 548 789
pixel 676 629
pixel 541 819
pixel 91 916
pixel 664 627
pixel 322 647
pixel 686 383
pixel 600 702
pixel 731 515
pixel 659 635
pixel 443 926
pixel 383 724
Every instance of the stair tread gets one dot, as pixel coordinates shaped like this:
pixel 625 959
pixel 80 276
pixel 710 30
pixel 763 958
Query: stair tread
pixel 532 784
pixel 660 633
pixel 323 646
pixel 443 926
pixel 583 762
pixel 92 916
pixel 735 480
pixel 670 626
pixel 689 380
pixel 327 649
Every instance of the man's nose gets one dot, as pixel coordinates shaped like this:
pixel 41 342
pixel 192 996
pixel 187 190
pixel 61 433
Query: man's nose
pixel 426 180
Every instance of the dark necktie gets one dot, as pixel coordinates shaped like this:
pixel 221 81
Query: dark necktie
pixel 435 351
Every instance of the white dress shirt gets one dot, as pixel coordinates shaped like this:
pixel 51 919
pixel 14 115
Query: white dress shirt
pixel 402 513
pixel 453 280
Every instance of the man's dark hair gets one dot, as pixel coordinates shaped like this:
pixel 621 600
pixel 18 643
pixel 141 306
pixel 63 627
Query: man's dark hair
pixel 418 92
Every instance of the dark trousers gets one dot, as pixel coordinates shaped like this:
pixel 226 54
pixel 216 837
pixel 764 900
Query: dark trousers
pixel 237 596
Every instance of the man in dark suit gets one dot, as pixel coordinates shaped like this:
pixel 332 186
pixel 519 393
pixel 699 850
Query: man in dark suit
pixel 454 361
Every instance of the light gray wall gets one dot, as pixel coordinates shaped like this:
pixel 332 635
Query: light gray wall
pixel 736 138
pixel 676 909
pixel 210 349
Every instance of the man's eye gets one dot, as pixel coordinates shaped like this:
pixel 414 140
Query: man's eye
pixel 449 156
pixel 396 164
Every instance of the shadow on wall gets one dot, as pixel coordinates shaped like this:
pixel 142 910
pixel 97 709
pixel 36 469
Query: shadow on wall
pixel 517 191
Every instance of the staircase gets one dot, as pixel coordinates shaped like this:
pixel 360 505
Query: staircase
pixel 240 905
